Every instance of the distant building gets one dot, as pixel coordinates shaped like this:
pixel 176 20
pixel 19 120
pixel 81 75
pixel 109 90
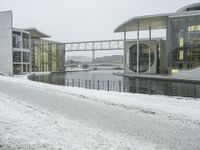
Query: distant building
pixel 46 55
pixel 25 50
pixel 110 59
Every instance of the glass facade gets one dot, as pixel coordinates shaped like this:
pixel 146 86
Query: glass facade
pixel 25 39
pixel 47 55
pixel 21 51
pixel 26 57
pixel 16 39
pixel 143 58
pixel 17 57
pixel 17 68
pixel 185 42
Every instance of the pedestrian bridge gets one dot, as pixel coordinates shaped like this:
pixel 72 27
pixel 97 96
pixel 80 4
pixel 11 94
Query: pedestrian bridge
pixel 104 45
pixel 94 45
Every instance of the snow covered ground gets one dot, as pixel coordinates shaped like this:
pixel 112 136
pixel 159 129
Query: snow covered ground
pixel 23 126
pixel 43 116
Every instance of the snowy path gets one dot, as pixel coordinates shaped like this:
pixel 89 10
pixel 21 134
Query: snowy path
pixel 154 121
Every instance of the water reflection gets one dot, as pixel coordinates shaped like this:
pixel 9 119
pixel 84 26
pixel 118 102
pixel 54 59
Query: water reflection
pixel 105 80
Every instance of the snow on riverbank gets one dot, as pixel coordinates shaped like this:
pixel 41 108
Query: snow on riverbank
pixel 177 107
pixel 25 127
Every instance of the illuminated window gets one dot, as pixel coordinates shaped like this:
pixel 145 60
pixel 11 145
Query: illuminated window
pixel 190 56
pixel 181 55
pixel 197 28
pixel 193 28
pixel 181 42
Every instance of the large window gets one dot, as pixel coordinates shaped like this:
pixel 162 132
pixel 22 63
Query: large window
pixel 16 39
pixel 26 57
pixel 17 69
pixel 16 56
pixel 25 39
pixel 143 58
pixel 185 42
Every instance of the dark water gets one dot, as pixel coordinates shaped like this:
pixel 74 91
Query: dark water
pixel 106 80
pixel 101 80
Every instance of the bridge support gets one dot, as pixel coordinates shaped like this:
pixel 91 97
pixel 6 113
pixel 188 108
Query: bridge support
pixel 93 56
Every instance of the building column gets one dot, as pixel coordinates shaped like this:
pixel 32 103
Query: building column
pixel 30 54
pixel 22 67
pixel 21 46
pixel 93 52
pixel 125 49
pixel 138 46
pixel 26 68
pixel 39 57
pixel 149 49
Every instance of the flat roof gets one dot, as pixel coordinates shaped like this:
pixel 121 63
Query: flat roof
pixel 36 33
pixel 20 30
pixel 157 21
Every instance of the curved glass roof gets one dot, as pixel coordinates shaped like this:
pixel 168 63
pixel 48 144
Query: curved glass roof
pixel 191 7
pixel 155 21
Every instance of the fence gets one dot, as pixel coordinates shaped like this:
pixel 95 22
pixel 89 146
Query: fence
pixel 152 86
pixel 97 85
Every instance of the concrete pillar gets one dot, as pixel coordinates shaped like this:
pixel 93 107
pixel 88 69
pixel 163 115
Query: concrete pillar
pixel 26 68
pixel 22 69
pixel 30 55
pixel 138 46
pixel 125 50
pixel 149 49
pixel 93 56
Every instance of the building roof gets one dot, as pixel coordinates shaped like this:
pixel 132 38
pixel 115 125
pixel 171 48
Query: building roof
pixel 35 33
pixel 155 21
pixel 191 7
pixel 20 30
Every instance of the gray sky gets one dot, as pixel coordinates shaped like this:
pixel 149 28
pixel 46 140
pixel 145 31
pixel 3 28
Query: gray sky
pixel 82 20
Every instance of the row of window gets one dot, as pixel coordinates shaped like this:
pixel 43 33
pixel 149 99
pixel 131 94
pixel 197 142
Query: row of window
pixel 17 57
pixel 18 68
pixel 18 42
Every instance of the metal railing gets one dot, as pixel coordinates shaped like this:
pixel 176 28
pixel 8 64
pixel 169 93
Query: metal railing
pixel 96 85
pixel 157 86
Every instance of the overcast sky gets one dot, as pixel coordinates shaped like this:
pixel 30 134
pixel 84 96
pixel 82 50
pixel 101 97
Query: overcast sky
pixel 82 20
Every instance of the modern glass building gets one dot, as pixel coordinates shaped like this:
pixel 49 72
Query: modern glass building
pixel 21 51
pixel 179 50
pixel 46 55
pixel 27 50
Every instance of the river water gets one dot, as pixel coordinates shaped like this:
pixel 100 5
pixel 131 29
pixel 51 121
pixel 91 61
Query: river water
pixel 106 80
pixel 99 79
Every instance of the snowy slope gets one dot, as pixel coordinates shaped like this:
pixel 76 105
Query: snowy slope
pixel 23 126
pixel 104 120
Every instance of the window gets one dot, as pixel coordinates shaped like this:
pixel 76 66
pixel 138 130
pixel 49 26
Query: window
pixel 25 38
pixel 25 57
pixel 193 28
pixel 17 69
pixel 16 56
pixel 181 42
pixel 143 58
pixel 181 55
pixel 16 39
